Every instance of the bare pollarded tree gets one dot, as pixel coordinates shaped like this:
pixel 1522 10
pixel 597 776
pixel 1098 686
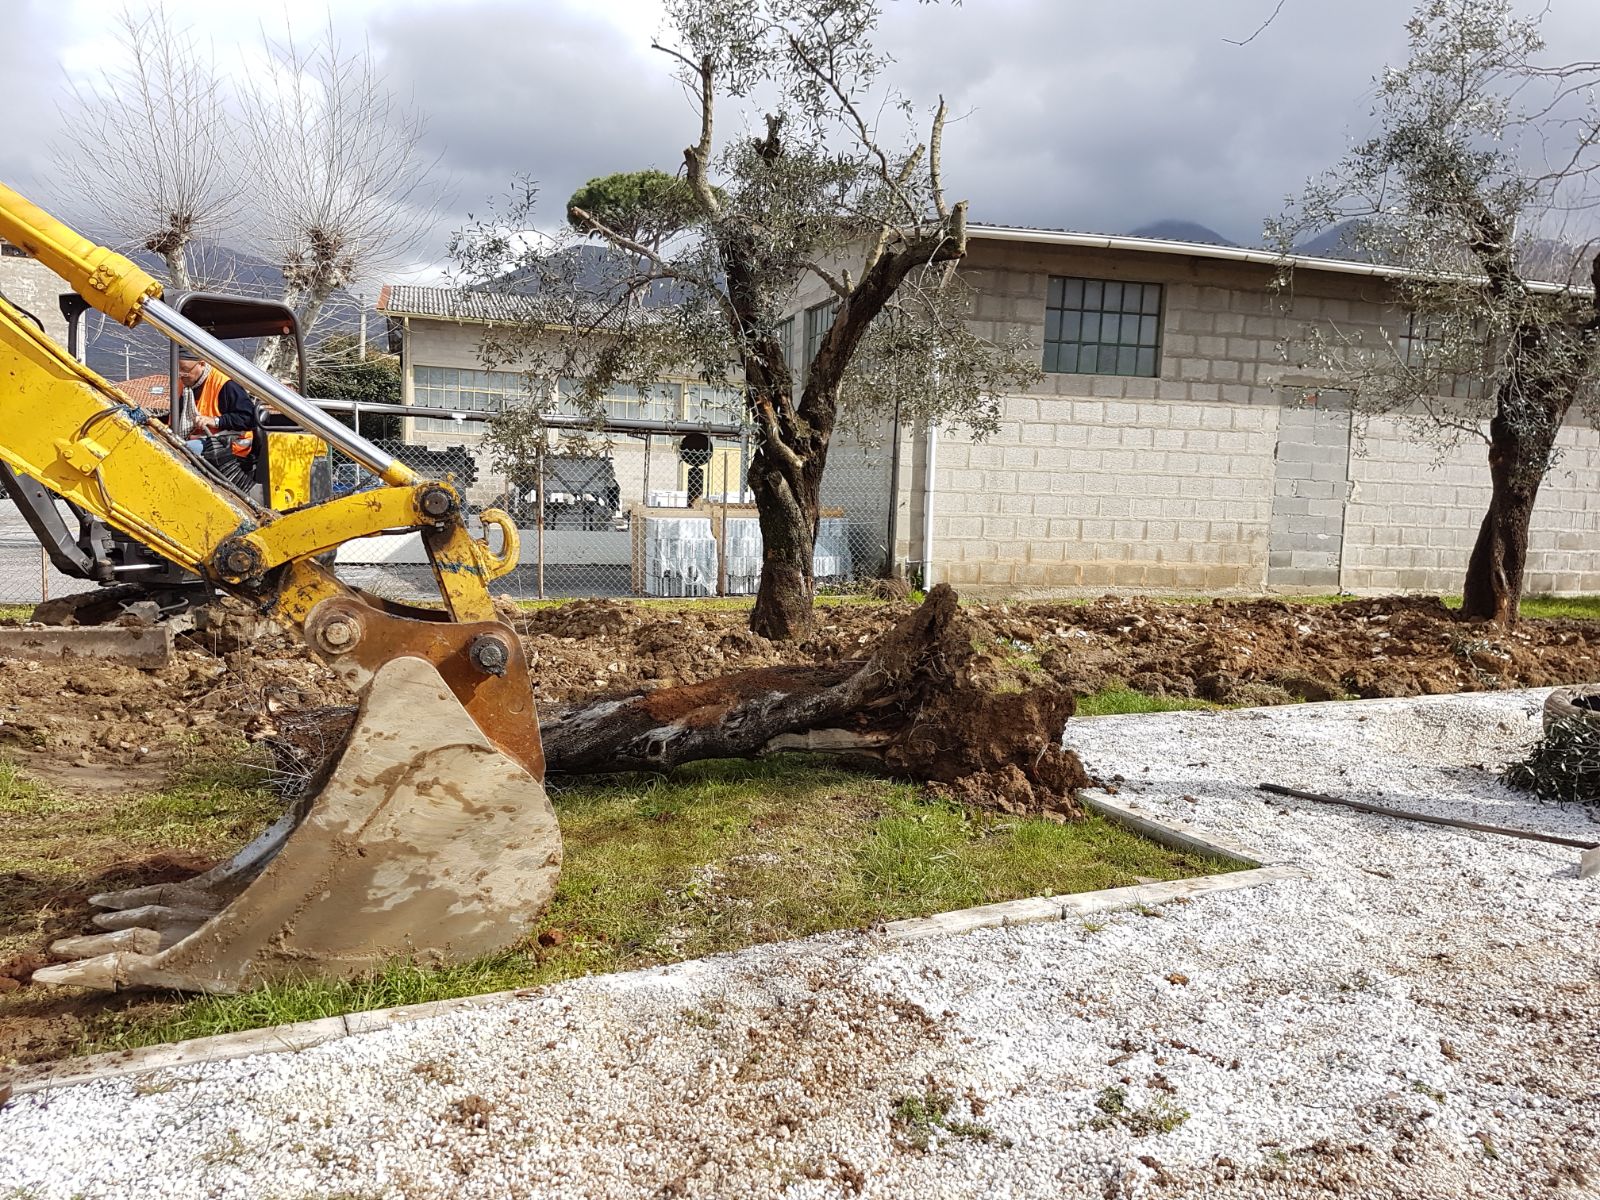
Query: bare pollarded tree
pixel 311 162
pixel 146 148
pixel 338 171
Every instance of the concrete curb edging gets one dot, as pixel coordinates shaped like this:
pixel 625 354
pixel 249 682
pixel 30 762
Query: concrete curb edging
pixel 303 1035
pixel 298 1035
pixel 1177 835
pixel 1168 831
pixel 1059 908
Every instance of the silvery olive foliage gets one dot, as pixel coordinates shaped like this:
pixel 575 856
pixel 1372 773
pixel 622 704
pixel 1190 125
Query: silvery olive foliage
pixel 1477 190
pixel 804 181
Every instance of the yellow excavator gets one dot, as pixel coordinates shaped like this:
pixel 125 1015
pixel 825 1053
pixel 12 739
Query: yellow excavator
pixel 431 836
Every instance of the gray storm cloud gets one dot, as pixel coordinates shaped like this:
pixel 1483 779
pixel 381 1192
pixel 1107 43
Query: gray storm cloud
pixel 1073 113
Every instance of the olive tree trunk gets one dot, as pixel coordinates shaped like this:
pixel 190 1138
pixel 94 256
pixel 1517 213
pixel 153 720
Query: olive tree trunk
pixel 1518 460
pixel 787 505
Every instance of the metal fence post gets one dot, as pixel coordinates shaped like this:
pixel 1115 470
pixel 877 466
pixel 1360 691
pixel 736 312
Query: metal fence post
pixel 722 535
pixel 540 531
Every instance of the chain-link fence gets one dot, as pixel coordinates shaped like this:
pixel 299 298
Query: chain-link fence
pixel 642 514
pixel 645 514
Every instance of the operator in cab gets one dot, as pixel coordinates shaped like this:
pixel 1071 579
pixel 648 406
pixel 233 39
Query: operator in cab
pixel 224 421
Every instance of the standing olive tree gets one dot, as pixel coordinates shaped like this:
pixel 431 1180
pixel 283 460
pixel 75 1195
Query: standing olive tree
pixel 1478 189
pixel 822 193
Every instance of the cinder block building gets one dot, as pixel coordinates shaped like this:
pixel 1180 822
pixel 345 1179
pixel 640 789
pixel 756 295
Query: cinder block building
pixel 1171 445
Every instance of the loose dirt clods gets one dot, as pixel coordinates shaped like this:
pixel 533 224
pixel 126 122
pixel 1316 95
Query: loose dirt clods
pixel 1225 651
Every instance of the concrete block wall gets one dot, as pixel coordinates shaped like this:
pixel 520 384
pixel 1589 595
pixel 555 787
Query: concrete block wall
pixel 1415 510
pixel 1088 493
pixel 1195 480
pixel 1098 481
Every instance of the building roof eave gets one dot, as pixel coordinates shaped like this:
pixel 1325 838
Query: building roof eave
pixel 1238 254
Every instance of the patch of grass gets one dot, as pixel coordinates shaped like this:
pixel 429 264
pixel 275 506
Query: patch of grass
pixel 21 796
pixel 1428 1090
pixel 919 1118
pixel 722 855
pixel 211 803
pixel 1161 1115
pixel 1585 608
pixel 15 612
pixel 1582 608
pixel 52 841
pixel 1116 700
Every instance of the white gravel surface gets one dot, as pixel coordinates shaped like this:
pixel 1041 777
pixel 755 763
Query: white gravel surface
pixel 1420 1018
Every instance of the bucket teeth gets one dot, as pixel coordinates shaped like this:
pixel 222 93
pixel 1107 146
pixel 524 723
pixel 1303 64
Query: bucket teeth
pixel 156 917
pixel 165 895
pixel 140 941
pixel 99 972
pixel 215 887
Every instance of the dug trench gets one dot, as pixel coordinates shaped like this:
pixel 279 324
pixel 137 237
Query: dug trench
pixel 970 699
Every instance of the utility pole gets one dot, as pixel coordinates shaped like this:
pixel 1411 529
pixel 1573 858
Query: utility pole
pixel 363 354
pixel 127 362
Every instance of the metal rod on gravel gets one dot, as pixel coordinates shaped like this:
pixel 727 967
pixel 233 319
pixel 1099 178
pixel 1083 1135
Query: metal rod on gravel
pixel 1589 862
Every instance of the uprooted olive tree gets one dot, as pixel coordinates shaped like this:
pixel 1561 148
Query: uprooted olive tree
pixel 802 265
pixel 932 701
pixel 1477 189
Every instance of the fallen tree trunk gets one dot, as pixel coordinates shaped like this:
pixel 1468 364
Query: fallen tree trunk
pixel 933 702
pixel 736 716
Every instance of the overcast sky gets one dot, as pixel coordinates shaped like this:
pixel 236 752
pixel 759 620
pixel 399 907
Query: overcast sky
pixel 1085 114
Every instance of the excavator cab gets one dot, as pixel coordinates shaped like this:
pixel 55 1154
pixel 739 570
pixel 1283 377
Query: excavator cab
pixel 292 469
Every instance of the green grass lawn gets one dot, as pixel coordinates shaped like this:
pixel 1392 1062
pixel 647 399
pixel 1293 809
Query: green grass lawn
pixel 51 842
pixel 1579 607
pixel 1116 701
pixel 719 856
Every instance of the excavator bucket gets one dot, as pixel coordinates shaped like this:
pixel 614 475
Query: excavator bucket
pixel 426 842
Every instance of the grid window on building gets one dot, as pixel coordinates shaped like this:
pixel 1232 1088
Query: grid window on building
pixel 660 402
pixel 461 391
pixel 819 319
pixel 448 390
pixel 1102 327
pixel 785 331
pixel 1426 348
pixel 712 402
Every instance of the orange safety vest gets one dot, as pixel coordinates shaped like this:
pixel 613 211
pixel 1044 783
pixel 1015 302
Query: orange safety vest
pixel 208 405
